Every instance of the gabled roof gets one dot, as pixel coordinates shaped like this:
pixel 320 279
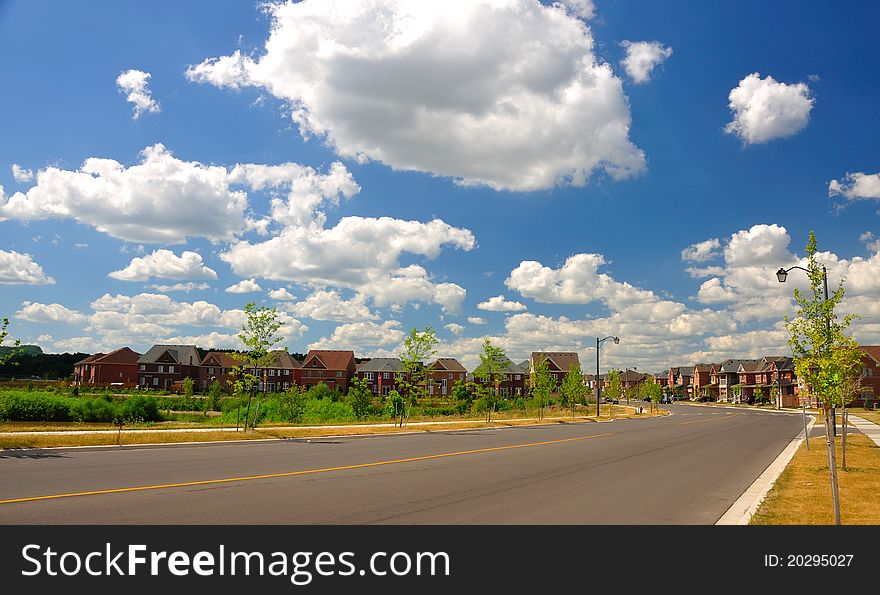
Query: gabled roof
pixel 561 361
pixel 750 367
pixel 447 363
pixel 873 352
pixel 123 355
pixel 89 359
pixel 329 359
pixel 222 359
pixel 180 354
pixel 731 366
pixel 282 359
pixel 380 364
pixel 520 368
pixel 633 376
pixel 702 368
pixel 686 371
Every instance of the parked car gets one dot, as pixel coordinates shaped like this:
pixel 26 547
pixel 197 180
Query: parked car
pixel 664 399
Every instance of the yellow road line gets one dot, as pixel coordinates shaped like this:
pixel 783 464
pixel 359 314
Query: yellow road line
pixel 304 472
pixel 699 421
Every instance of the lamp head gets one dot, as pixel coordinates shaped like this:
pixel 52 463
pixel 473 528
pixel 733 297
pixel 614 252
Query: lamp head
pixel 781 274
pixel 616 340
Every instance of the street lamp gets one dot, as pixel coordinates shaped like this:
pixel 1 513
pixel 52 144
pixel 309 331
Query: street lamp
pixel 598 384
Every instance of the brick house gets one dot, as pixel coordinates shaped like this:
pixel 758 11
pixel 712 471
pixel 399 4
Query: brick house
pixel 281 372
pixel 558 362
pixel 514 381
pixel 442 376
pixel 335 368
pixel 870 374
pixel 163 365
pixel 218 365
pixel 382 374
pixel 703 385
pixel 117 368
pixel 631 379
pixel 728 377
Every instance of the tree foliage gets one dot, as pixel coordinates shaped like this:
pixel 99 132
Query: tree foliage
pixel 8 355
pixel 418 347
pixel 541 382
pixel 613 388
pixel 360 398
pixel 573 389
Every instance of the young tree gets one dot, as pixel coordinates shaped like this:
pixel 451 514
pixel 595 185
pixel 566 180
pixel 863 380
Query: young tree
pixel 614 390
pixel 359 397
pixel 188 387
pixel 759 395
pixel 541 383
pixel 418 347
pixel 259 336
pixel 493 363
pixel 293 403
pixel 825 357
pixel 573 388
pixel 652 391
pixel 5 357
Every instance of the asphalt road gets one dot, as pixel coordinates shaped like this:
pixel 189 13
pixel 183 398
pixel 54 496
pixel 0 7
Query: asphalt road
pixel 687 468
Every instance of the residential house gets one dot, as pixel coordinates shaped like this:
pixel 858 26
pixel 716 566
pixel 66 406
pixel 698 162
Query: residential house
pixel 683 381
pixel 703 386
pixel 280 372
pixel 163 365
pixel 218 365
pixel 870 376
pixel 728 378
pixel 117 368
pixel 631 379
pixel 514 378
pixel 442 376
pixel 335 368
pixel 558 362
pixel 382 374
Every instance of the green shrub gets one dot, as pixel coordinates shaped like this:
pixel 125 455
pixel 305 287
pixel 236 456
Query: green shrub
pixel 92 410
pixel 140 409
pixel 33 407
pixel 326 410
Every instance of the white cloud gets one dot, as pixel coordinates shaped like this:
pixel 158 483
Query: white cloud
pixel 584 9
pixel 19 174
pixel 329 305
pixel 187 287
pixel 500 304
pixel 523 104
pixel 759 245
pixel 712 292
pixel 20 269
pixel 36 312
pixel 358 253
pixel 244 286
pixel 702 251
pixel 164 199
pixel 281 294
pixel 454 328
pixel 164 264
pixel 135 84
pixel 359 336
pixel 699 272
pixel 476 320
pixel 764 109
pixel 856 186
pixel 642 57
pixel 871 242
pixel 80 245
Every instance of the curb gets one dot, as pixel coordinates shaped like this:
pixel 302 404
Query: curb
pixel 745 506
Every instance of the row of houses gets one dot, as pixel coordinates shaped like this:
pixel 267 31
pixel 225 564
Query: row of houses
pixel 165 366
pixel 162 366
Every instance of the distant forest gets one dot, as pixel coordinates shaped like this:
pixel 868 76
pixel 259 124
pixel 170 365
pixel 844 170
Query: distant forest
pixel 31 361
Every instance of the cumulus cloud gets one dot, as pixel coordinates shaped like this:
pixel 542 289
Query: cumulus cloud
pixel 164 264
pixel 523 104
pixel 281 294
pixel 135 84
pixel 361 336
pixel 500 304
pixel 20 269
pixel 37 312
pixel 244 286
pixel 642 57
pixel 186 287
pixel 454 328
pixel 164 199
pixel 700 272
pixel 584 9
pixel 358 253
pixel 764 109
pixel 19 174
pixel 702 251
pixel 329 305
pixel 476 320
pixel 856 186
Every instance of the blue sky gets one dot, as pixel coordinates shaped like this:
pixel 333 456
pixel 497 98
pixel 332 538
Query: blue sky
pixel 424 160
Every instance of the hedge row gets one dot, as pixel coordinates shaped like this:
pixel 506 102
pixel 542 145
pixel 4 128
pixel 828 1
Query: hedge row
pixel 43 407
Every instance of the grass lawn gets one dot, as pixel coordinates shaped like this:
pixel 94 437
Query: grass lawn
pixel 802 494
pixel 872 416
pixel 264 431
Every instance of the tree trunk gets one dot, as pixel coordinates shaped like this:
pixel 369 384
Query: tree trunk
pixel 256 414
pixel 843 416
pixel 832 464
pixel 247 413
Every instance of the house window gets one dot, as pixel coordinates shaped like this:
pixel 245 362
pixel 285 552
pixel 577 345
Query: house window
pixel 271 372
pixel 171 369
pixel 320 373
pixel 142 368
pixel 518 377
pixel 142 381
pixel 155 382
pixel 386 375
pixel 161 369
pixel 451 376
pixel 287 372
pixel 339 373
pixel 368 375
pixel 285 385
pixel 210 371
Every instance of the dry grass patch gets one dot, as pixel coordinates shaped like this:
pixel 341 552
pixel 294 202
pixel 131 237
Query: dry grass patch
pixel 872 416
pixel 802 494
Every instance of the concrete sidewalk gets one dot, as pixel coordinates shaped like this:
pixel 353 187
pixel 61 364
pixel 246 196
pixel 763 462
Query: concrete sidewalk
pixel 869 429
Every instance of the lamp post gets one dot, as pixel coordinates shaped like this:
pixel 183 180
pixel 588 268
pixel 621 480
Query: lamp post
pixel 634 368
pixel 598 382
